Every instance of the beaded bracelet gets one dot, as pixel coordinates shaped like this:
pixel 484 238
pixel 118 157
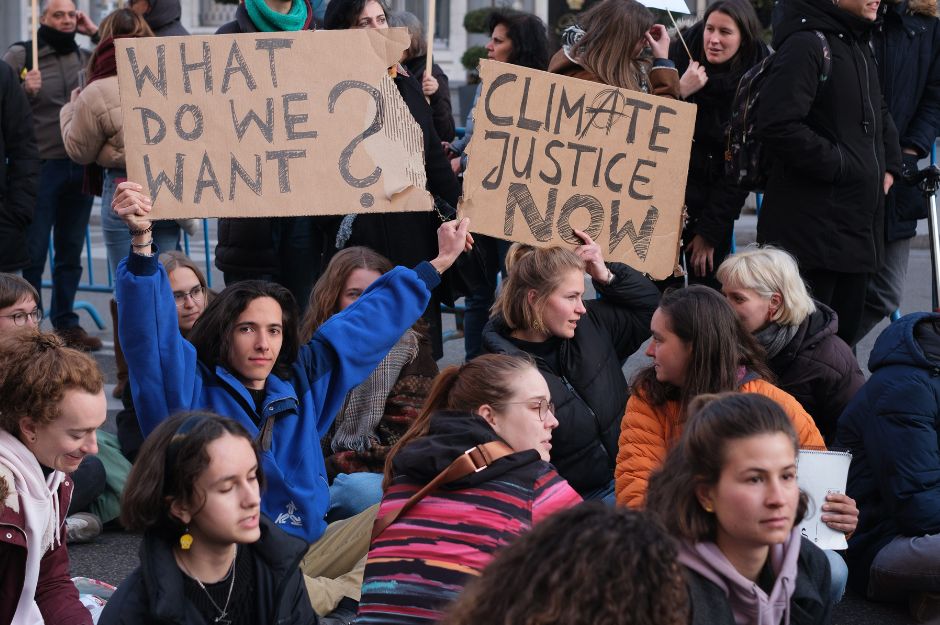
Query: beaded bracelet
pixel 137 233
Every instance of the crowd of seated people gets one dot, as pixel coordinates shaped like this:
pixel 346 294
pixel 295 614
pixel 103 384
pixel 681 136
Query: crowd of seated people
pixel 307 462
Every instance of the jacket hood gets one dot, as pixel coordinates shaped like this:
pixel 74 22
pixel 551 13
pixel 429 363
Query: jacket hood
pixel 452 433
pixel 912 340
pixel 927 8
pixel 819 325
pixel 162 13
pixel 821 15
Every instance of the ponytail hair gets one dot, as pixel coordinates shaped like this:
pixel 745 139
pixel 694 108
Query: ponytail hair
pixel 484 380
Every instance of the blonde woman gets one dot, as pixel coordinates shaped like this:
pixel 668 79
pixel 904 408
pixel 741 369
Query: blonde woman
pixel 578 347
pixel 804 352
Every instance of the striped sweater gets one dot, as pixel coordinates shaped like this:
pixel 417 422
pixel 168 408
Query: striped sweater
pixel 420 563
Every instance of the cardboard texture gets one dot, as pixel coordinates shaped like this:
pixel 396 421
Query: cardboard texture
pixel 271 124
pixel 550 153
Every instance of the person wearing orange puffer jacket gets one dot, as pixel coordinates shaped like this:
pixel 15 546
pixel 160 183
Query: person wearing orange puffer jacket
pixel 698 347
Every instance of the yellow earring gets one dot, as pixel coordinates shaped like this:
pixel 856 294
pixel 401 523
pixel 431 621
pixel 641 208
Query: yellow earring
pixel 708 508
pixel 186 540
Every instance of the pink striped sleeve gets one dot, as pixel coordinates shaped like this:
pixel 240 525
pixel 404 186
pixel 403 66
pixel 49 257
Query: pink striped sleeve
pixel 551 494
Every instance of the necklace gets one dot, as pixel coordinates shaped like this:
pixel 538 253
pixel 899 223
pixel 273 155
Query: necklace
pixel 222 618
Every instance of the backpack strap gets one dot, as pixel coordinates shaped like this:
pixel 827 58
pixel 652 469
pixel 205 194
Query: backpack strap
pixel 827 56
pixel 471 461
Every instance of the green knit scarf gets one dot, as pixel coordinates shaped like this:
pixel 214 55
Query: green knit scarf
pixel 268 21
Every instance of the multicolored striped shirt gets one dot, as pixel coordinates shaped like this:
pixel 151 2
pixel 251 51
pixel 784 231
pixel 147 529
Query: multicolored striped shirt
pixel 422 561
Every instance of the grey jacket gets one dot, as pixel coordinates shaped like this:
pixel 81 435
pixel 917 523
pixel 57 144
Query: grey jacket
pixel 59 78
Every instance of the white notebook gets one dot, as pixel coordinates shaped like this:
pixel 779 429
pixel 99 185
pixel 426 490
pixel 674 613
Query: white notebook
pixel 819 474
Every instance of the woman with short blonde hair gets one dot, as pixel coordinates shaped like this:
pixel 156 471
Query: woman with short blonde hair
pixel 799 334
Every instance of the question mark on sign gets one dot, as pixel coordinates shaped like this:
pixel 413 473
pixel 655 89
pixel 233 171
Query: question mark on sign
pixel 366 200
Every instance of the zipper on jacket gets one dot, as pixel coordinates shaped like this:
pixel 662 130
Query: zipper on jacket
pixel 879 176
pixel 572 390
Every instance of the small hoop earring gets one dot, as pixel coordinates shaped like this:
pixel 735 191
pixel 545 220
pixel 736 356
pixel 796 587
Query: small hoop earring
pixel 708 508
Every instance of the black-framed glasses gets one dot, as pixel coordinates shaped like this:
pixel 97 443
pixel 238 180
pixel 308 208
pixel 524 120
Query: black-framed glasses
pixel 194 294
pixel 542 405
pixel 19 318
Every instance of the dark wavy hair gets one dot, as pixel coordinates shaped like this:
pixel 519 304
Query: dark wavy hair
pixel 342 14
pixel 699 457
pixel 212 335
pixel 528 35
pixel 167 467
pixel 703 318
pixel 588 564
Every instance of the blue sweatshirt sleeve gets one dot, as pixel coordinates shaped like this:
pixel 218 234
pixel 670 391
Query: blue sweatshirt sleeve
pixel 161 364
pixel 347 348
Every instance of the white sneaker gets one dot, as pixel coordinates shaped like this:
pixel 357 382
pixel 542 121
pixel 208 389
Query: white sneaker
pixel 82 527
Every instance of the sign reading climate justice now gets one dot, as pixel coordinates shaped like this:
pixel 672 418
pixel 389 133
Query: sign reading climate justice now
pixel 265 124
pixel 551 153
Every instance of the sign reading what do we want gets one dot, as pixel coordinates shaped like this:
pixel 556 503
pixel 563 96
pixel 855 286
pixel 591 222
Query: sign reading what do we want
pixel 551 153
pixel 265 124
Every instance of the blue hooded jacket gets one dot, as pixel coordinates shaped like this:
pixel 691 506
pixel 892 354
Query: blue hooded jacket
pixel 166 377
pixel 892 427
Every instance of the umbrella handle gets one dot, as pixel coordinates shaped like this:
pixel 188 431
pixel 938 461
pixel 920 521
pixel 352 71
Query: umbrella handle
pixel 678 32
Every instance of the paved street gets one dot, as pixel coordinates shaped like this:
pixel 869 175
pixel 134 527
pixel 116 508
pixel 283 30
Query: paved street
pixel 114 554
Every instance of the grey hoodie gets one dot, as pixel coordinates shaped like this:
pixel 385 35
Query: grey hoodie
pixel 810 602
pixel 749 603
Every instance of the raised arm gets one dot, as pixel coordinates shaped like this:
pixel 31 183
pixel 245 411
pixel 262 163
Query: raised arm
pixel 161 364
pixel 346 349
pixel 628 298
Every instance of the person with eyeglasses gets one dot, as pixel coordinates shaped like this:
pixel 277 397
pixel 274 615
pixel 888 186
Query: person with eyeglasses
pixel 20 312
pixel 19 304
pixel 579 347
pixel 419 563
pixel 191 294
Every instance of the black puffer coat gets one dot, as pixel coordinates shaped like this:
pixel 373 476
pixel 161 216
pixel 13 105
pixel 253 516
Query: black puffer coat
pixel 153 593
pixel 819 370
pixel 892 428
pixel 831 142
pixel 907 45
pixel 19 171
pixel 589 390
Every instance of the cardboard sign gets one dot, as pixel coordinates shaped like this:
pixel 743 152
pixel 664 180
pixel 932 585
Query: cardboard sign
pixel 550 153
pixel 822 473
pixel 304 123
